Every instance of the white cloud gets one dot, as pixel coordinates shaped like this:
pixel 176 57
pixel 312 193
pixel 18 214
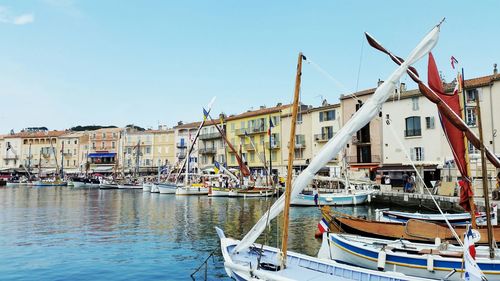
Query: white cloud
pixel 24 19
pixel 6 16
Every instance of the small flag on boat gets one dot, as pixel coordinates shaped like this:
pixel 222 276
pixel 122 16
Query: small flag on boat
pixel 271 125
pixel 472 270
pixel 453 61
pixel 205 114
pixel 323 226
pixel 216 167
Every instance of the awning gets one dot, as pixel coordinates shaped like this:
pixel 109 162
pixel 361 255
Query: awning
pixel 405 168
pixel 103 169
pixel 98 155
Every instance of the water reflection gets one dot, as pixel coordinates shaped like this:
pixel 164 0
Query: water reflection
pixel 60 233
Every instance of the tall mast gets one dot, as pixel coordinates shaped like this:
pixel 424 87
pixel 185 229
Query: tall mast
pixel 270 152
pixel 472 204
pixel 62 159
pixel 291 150
pixel 40 163
pixel 485 182
pixel 137 155
pixel 29 161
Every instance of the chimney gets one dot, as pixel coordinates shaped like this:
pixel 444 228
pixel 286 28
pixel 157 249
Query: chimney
pixel 402 88
pixel 495 70
pixel 379 82
pixel 180 123
pixel 262 107
pixel 279 104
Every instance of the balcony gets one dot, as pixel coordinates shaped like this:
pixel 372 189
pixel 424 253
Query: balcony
pixel 323 137
pixel 251 130
pixel 209 136
pixel 360 159
pixel 299 145
pixel 249 147
pixel 181 145
pixel 413 133
pixel 274 145
pixel 208 150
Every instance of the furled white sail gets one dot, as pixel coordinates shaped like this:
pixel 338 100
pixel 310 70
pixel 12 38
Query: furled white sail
pixel 362 117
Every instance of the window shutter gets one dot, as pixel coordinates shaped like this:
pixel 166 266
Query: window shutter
pixel 321 117
pixel 422 154
pixel 412 154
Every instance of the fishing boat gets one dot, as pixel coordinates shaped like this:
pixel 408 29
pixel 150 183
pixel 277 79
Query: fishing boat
pixel 243 266
pixel 252 192
pixel 192 189
pixel 415 259
pixel 356 197
pixel 454 219
pixel 166 188
pixel 244 262
pixel 108 186
pixel 54 182
pixel 85 182
pixel 413 230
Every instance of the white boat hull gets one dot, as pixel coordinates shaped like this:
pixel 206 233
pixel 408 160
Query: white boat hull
pixel 146 187
pixel 251 193
pixel 191 190
pixel 78 184
pixel 154 188
pixel 359 251
pixel 126 186
pixel 165 188
pixel 108 186
pixel 242 266
pixel 12 184
pixel 219 192
pixel 333 199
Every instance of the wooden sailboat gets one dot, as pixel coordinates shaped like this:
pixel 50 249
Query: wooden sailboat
pixel 244 261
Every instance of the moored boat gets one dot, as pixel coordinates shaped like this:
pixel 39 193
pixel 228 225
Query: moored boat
pixel 415 259
pixel 460 218
pixel 356 197
pixel 193 189
pixel 130 186
pixel 254 192
pixel 49 183
pixel 146 187
pixel 108 186
pixel 166 188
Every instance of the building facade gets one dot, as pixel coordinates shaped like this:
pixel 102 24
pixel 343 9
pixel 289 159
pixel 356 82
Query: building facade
pixel 104 150
pixel 74 148
pixel 184 135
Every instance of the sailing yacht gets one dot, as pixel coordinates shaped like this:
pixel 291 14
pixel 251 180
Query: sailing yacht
pixel 246 261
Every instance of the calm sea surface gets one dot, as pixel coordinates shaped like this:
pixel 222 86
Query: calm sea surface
pixel 60 233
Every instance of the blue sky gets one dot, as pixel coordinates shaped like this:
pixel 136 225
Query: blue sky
pixel 65 63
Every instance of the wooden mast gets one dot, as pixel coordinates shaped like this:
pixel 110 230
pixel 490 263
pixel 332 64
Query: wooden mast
pixel 291 150
pixel 472 205
pixel 485 178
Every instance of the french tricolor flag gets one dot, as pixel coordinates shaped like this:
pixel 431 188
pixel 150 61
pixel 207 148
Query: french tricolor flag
pixel 323 226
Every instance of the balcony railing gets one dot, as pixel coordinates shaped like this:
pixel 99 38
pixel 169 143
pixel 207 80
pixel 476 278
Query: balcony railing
pixel 10 157
pixel 274 145
pixel 249 147
pixel 323 137
pixel 208 150
pixel 209 136
pixel 413 133
pixel 363 159
pixel 251 130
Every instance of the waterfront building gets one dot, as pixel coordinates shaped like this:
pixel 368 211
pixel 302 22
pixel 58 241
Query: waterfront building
pixel 252 126
pixel 104 150
pixel 163 147
pixel 363 152
pixel 74 148
pixel 137 151
pixel 34 150
pixel 184 136
pixel 326 121
pixel 211 146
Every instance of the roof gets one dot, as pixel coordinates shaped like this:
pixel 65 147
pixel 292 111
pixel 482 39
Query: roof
pixel 188 125
pixel 358 94
pixel 71 134
pixel 262 111
pixel 40 134
pixel 481 81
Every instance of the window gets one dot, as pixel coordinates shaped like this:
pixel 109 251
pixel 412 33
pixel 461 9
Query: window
pixel 233 158
pixel 103 135
pixel 299 118
pixel 74 151
pixel 299 154
pixel 300 140
pixel 471 116
pixel 472 149
pixel 129 162
pixel 274 156
pixel 327 132
pixel 472 95
pixel 417 154
pixel 114 135
pixel 67 162
pixel 93 135
pixel 148 150
pixel 276 120
pixel 242 125
pixel 93 145
pixel 232 127
pixel 413 127
pixel 129 150
pixel 76 141
pixel 414 102
pixel 113 144
pixel 147 162
pixel 327 115
pixel 252 156
pixel 102 144
pixel 429 122
pixel 74 162
pixel 68 141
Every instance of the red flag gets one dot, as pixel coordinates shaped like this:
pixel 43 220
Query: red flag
pixel 454 135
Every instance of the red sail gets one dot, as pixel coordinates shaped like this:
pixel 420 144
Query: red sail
pixel 453 134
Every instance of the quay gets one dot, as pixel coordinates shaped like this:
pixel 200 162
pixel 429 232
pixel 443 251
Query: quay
pixel 399 198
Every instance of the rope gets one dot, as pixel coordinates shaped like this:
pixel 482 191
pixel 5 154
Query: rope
pixel 205 263
pixel 396 137
pixel 329 76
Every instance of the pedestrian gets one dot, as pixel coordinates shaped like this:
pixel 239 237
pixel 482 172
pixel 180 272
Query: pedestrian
pixel 405 182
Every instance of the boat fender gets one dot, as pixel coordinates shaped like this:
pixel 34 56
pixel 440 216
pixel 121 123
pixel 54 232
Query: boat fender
pixel 430 262
pixel 437 241
pixel 369 198
pixel 382 255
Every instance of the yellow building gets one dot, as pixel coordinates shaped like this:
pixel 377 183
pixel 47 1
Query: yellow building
pixel 163 147
pixel 74 147
pixel 252 126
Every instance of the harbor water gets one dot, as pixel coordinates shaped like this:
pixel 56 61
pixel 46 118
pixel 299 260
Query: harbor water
pixel 60 233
